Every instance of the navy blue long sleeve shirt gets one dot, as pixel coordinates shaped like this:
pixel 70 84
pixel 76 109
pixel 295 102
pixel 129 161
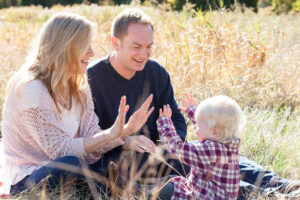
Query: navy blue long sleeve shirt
pixel 107 88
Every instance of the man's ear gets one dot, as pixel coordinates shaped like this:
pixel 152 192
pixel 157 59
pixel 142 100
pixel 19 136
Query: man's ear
pixel 115 43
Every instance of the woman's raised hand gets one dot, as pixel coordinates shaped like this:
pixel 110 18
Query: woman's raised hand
pixel 138 118
pixel 187 102
pixel 117 127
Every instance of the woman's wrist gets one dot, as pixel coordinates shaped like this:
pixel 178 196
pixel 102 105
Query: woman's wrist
pixel 126 132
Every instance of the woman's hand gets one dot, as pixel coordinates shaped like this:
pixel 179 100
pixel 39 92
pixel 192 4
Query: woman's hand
pixel 94 142
pixel 187 102
pixel 117 127
pixel 138 118
pixel 166 112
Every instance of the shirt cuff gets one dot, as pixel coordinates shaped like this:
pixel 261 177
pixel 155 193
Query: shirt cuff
pixel 164 125
pixel 190 111
pixel 78 148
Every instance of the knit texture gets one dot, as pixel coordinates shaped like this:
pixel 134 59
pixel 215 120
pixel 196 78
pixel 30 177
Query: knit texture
pixel 33 133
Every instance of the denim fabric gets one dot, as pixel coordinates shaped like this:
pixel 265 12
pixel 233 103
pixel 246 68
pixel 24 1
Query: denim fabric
pixel 255 179
pixel 138 160
pixel 63 169
pixel 167 192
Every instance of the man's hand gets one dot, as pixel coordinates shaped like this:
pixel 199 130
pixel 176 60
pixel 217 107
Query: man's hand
pixel 139 143
pixel 138 118
pixel 187 102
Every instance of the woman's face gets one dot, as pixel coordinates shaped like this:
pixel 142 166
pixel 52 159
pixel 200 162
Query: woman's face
pixel 84 61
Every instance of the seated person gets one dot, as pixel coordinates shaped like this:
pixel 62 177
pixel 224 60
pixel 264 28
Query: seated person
pixel 214 159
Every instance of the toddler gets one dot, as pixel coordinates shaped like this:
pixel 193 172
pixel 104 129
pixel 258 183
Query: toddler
pixel 214 159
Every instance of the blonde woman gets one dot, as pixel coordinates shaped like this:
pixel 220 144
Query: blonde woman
pixel 48 115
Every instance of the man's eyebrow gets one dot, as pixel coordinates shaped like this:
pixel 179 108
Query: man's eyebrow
pixel 136 43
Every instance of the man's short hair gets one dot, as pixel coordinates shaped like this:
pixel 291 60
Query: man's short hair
pixel 125 18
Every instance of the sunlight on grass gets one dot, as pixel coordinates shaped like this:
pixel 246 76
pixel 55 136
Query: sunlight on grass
pixel 252 57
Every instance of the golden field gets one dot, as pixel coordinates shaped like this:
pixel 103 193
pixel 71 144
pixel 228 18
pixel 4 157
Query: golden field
pixel 252 57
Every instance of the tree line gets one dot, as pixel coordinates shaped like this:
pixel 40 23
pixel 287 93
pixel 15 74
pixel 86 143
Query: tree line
pixel 279 6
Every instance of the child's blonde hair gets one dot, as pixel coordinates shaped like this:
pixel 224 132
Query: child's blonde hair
pixel 224 113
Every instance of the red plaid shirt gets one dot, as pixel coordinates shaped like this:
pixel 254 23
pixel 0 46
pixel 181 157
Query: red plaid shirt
pixel 215 172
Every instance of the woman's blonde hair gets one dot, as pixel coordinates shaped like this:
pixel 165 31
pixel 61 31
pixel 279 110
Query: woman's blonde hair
pixel 224 113
pixel 63 39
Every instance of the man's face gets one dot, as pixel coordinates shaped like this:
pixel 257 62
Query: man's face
pixel 135 47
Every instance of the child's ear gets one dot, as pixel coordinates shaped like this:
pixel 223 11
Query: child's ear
pixel 216 131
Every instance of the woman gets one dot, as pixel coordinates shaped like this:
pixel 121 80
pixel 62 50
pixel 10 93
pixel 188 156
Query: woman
pixel 48 115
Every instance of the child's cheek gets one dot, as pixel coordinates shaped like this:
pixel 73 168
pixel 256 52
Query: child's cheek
pixel 200 139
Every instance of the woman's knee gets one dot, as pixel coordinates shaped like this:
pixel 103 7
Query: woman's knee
pixel 70 159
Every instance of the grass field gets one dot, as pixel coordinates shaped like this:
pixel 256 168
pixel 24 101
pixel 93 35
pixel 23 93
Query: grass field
pixel 252 57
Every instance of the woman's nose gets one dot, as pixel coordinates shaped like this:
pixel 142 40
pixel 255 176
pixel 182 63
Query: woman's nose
pixel 90 52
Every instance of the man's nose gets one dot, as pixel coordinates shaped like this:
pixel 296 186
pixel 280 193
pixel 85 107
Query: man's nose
pixel 145 53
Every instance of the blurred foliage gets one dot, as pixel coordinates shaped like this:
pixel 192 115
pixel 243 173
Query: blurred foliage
pixel 212 4
pixel 279 6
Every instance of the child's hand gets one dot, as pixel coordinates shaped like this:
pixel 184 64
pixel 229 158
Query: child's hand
pixel 188 102
pixel 166 112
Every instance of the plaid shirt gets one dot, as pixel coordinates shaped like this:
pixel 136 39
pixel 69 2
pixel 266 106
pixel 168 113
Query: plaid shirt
pixel 215 172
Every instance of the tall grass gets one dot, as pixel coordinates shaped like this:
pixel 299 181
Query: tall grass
pixel 252 57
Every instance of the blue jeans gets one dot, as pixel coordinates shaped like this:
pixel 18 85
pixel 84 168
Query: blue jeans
pixel 255 179
pixel 63 170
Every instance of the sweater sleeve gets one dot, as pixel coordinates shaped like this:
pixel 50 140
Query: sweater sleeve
pixel 44 128
pixel 42 123
pixel 167 97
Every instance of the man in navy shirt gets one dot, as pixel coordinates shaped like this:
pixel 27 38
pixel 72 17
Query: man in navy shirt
pixel 130 71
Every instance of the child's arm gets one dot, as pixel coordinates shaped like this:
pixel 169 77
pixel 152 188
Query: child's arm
pixel 193 155
pixel 188 107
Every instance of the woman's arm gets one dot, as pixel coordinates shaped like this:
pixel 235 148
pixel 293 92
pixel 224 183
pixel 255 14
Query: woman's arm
pixel 98 140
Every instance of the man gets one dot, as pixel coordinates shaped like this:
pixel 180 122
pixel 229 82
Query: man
pixel 130 71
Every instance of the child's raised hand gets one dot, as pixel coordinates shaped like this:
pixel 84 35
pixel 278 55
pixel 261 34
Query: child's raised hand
pixel 187 102
pixel 166 112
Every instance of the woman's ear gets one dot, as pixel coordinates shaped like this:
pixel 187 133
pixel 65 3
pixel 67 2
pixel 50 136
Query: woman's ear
pixel 115 43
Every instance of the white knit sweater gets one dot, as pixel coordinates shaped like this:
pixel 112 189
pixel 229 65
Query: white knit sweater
pixel 34 134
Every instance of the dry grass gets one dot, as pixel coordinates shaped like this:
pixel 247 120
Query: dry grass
pixel 254 58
